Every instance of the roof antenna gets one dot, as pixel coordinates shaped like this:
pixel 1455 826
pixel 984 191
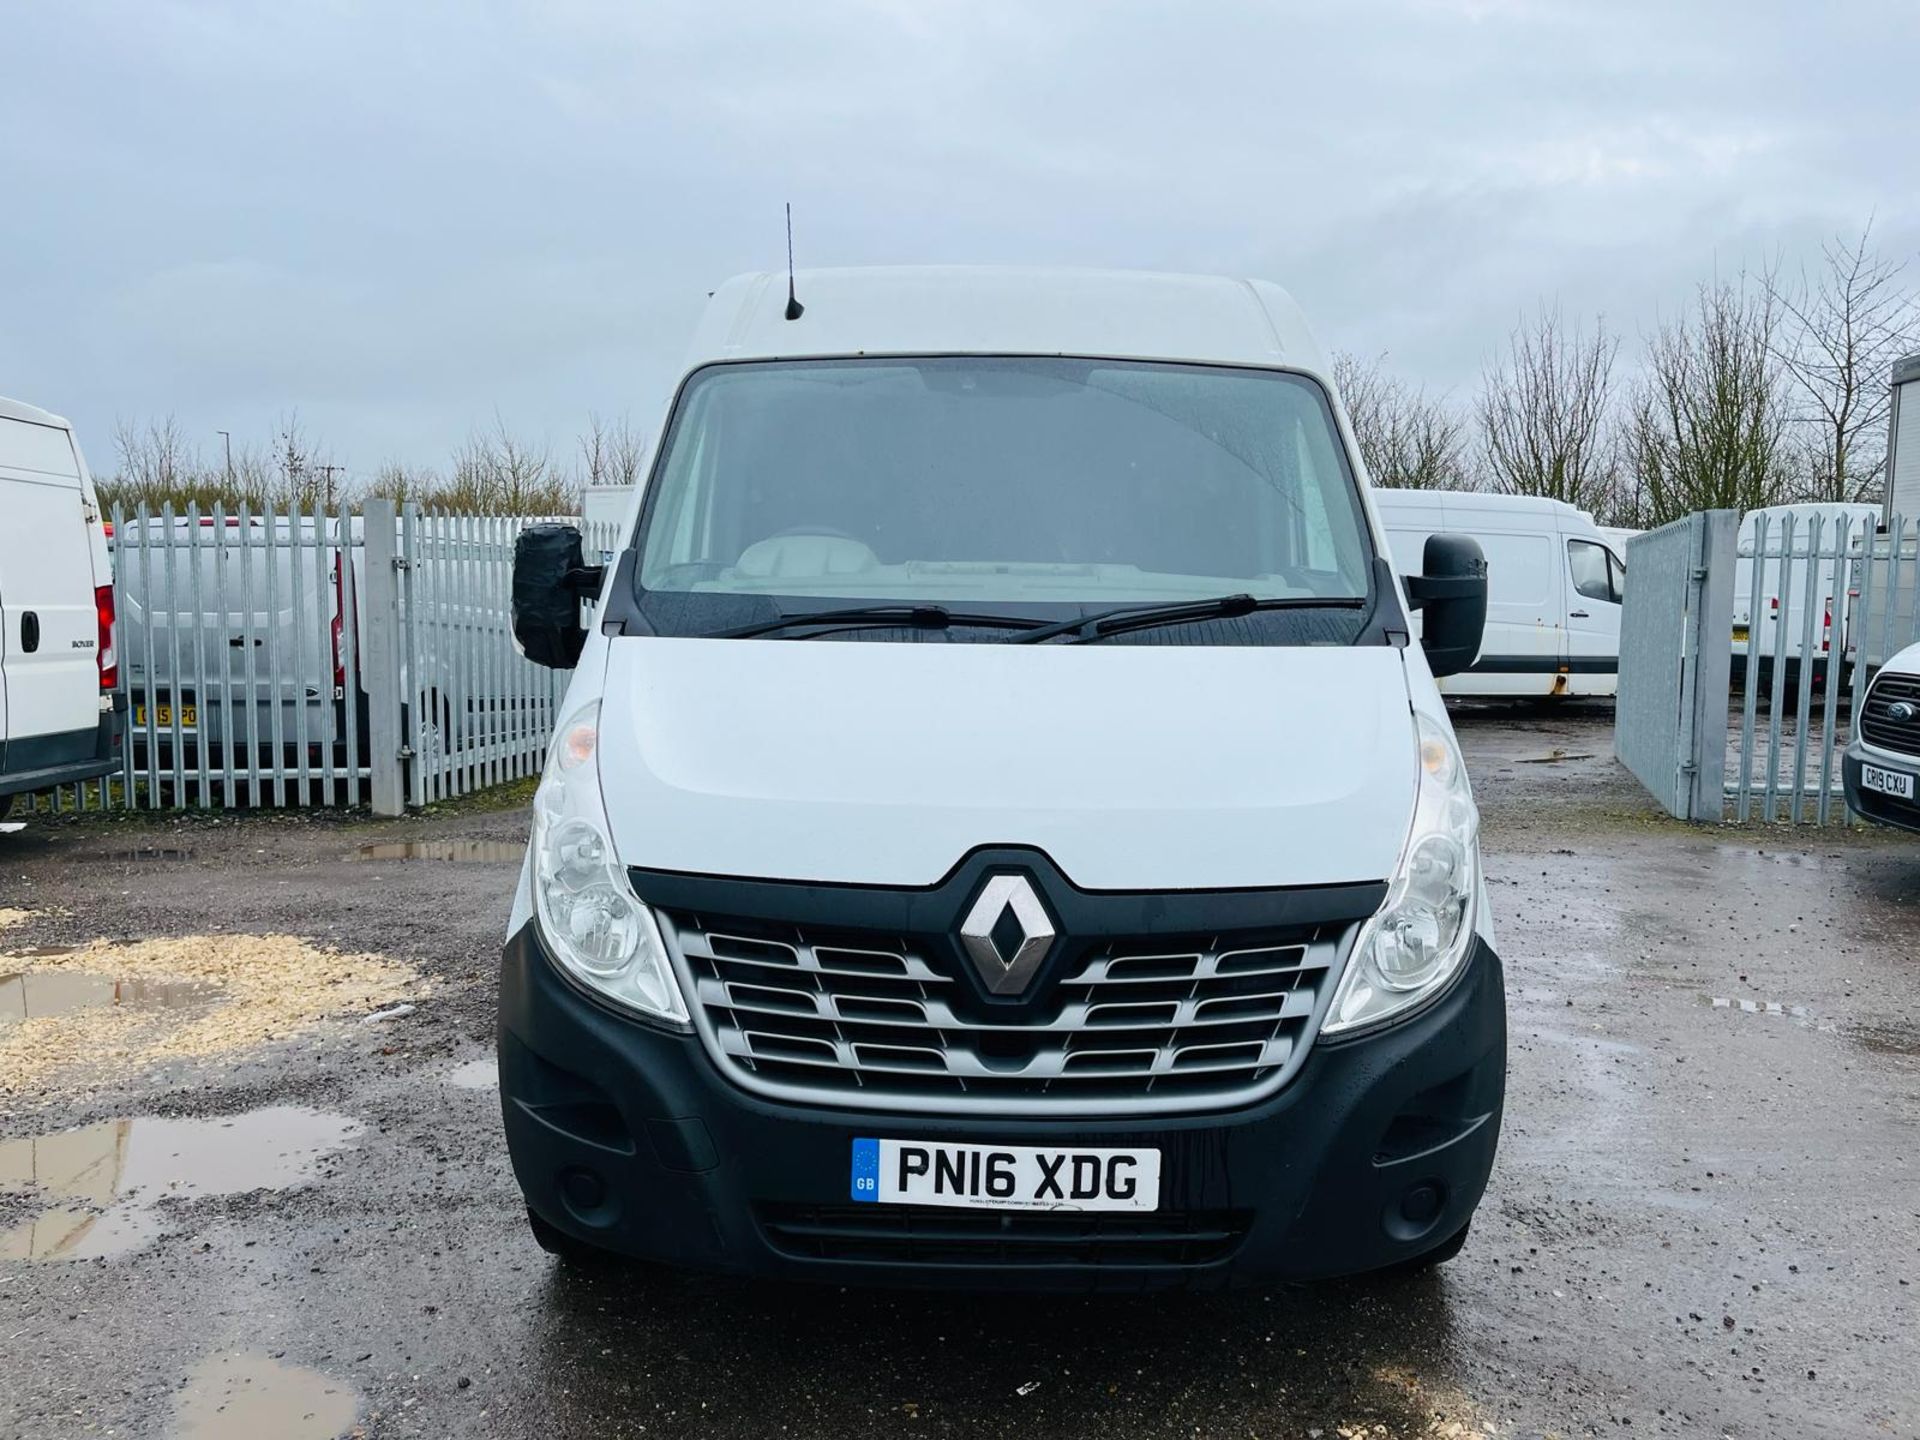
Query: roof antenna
pixel 794 308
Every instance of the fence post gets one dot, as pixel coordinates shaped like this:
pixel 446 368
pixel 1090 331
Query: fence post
pixel 1710 656
pixel 382 607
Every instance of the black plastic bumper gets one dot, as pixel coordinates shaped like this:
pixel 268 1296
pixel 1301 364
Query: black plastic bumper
pixel 43 762
pixel 1871 804
pixel 630 1138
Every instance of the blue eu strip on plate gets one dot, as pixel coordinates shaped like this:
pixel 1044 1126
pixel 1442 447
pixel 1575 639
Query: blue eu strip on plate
pixel 866 1170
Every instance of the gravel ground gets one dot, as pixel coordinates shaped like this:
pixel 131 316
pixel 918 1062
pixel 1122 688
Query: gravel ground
pixel 1702 1222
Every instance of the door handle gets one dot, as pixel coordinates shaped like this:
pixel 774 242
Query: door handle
pixel 1577 615
pixel 29 631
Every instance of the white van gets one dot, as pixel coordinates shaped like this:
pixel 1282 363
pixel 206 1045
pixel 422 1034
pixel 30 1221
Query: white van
pixel 1554 589
pixel 58 723
pixel 999 830
pixel 1810 595
pixel 239 649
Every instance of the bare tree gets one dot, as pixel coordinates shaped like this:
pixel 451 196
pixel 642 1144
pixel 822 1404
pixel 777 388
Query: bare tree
pixel 156 461
pixel 496 472
pixel 1543 414
pixel 611 452
pixel 1844 328
pixel 404 484
pixel 1708 422
pixel 1408 441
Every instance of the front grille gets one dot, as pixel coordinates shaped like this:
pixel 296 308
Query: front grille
pixel 927 1236
pixel 1147 1024
pixel 1877 727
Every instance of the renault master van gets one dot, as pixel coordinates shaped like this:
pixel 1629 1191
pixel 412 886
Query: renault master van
pixel 999 831
pixel 58 672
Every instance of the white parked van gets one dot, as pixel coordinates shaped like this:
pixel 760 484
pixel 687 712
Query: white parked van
pixel 57 675
pixel 1000 830
pixel 1778 615
pixel 1554 588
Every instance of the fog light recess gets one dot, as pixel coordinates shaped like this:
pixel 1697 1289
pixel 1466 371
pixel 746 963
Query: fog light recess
pixel 1417 1211
pixel 585 1195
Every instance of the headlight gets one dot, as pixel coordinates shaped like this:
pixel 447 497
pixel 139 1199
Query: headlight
pixel 1417 941
pixel 589 916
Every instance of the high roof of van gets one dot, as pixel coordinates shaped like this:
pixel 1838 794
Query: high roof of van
pixel 972 310
pixel 1464 502
pixel 20 410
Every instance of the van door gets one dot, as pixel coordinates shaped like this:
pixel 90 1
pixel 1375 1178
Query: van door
pixel 1594 578
pixel 51 676
pixel 3 641
pixel 1526 638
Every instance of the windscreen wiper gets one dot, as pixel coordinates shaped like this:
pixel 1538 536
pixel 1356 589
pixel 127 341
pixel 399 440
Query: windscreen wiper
pixel 1146 617
pixel 916 617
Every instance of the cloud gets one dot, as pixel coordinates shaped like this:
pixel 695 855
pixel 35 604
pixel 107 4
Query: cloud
pixel 402 218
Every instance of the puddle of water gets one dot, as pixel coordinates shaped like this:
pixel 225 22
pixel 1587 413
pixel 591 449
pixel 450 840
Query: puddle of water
pixel 37 994
pixel 246 1395
pixel 99 1188
pixel 471 852
pixel 154 852
pixel 481 1074
pixel 1556 757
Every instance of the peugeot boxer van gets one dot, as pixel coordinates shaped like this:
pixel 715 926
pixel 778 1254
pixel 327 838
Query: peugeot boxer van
pixel 999 831
pixel 59 713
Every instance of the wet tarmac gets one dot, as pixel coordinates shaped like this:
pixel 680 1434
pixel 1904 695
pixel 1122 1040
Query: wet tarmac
pixel 1702 1221
pixel 462 852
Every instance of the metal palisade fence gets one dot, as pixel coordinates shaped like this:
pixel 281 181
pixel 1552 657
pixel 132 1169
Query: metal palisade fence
pixel 476 712
pixel 306 657
pixel 1808 603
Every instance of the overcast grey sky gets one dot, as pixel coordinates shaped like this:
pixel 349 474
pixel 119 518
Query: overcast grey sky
pixel 399 217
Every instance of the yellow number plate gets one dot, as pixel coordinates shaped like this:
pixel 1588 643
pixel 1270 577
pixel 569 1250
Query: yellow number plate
pixel 163 715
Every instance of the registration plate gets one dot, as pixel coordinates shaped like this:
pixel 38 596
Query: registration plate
pixel 1887 782
pixel 1004 1177
pixel 163 715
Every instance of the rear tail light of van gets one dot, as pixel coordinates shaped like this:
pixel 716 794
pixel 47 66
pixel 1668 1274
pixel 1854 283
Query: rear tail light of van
pixel 103 650
pixel 339 622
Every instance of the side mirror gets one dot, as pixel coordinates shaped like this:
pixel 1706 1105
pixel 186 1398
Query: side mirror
pixel 1452 598
pixel 550 577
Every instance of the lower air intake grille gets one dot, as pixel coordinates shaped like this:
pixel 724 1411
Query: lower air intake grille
pixel 926 1236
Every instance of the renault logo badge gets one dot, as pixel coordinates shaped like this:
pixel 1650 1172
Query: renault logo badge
pixel 1007 933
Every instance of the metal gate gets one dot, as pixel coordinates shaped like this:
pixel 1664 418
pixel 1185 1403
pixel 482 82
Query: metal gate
pixel 1671 710
pixel 240 639
pixel 301 657
pixel 1803 608
pixel 477 713
pixel 1825 600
